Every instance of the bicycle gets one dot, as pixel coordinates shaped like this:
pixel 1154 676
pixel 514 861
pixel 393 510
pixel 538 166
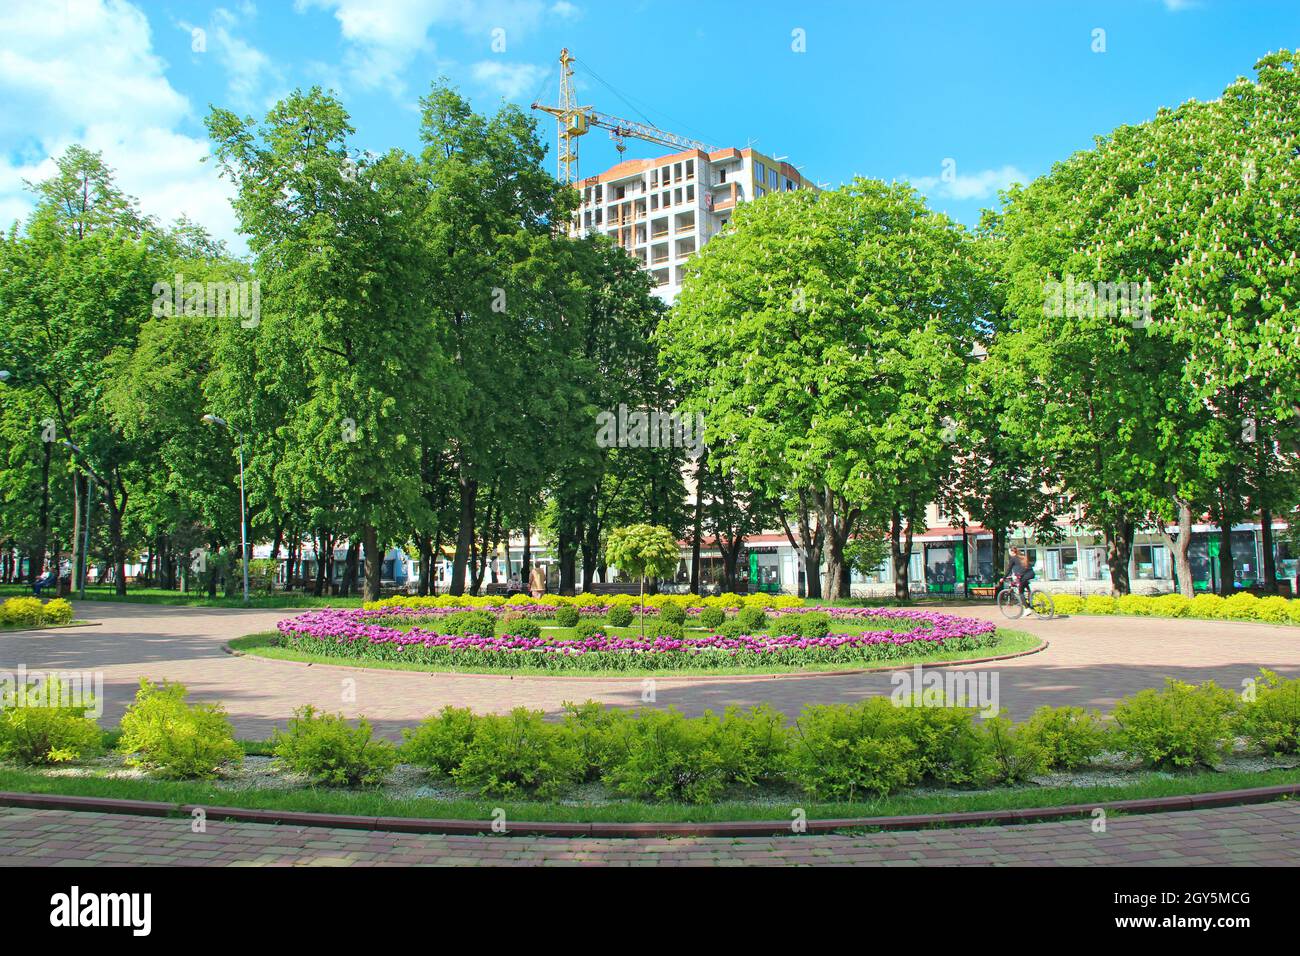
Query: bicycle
pixel 1013 606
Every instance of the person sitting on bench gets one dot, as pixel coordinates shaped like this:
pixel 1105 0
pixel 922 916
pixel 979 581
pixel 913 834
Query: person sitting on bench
pixel 44 581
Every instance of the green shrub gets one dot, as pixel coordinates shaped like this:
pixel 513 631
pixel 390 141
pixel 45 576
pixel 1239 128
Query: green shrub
pixel 328 750
pixel 842 751
pixel 587 629
pixel 1013 755
pixel 663 755
pixel 440 743
pixel 22 612
pixel 1180 726
pixel 788 624
pixel 1172 605
pixel 620 615
pixel 1273 610
pixel 566 616
pixel 465 623
pixel 752 619
pixel 675 631
pixel 672 613
pixel 523 628
pixel 813 624
pixel 731 629
pixel 1068 603
pixel 1207 605
pixel 591 731
pixel 1098 604
pixel 1240 607
pixel 1136 604
pixel 1069 737
pixel 949 749
pixel 57 611
pixel 712 618
pixel 163 733
pixel 43 724
pixel 519 753
pixel 1271 722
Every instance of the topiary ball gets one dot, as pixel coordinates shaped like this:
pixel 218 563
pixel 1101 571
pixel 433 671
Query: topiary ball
pixel 674 631
pixel 732 629
pixel 566 616
pixel 525 629
pixel 672 613
pixel 712 618
pixel 752 619
pixel 620 615
pixel 586 630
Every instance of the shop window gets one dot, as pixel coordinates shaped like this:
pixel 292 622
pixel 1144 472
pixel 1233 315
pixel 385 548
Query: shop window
pixel 1150 562
pixel 1062 564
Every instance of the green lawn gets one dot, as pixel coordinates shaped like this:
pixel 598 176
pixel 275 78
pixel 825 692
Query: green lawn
pixel 142 595
pixel 772 806
pixel 265 644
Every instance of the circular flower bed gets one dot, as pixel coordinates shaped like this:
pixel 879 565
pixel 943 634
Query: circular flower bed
pixel 888 634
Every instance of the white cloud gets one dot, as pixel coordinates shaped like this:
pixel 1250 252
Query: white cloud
pixel 385 36
pixel 249 71
pixel 1175 6
pixel 565 10
pixel 511 80
pixel 84 71
pixel 983 184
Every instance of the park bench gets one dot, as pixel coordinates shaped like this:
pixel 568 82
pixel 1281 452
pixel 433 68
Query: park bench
pixel 982 591
pixel 502 590
pixel 598 587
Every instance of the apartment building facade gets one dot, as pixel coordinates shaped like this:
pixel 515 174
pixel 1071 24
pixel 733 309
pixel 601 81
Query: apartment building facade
pixel 663 211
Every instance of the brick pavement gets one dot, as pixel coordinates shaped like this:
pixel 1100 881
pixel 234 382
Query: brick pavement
pixel 1092 661
pixel 1258 835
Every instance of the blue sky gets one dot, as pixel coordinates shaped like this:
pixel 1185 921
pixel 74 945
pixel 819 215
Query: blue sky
pixel 993 91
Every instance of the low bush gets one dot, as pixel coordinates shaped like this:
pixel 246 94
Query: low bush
pixel 465 623
pixel 46 723
pixel 590 727
pixel 328 750
pixel 57 611
pixel 1273 610
pixel 732 629
pixel 1098 604
pixel 1012 755
pixel 752 619
pixel 566 616
pixel 440 743
pixel 22 612
pixel 1069 737
pixel 1271 721
pixel 525 629
pixel 1240 607
pixel 1135 604
pixel 1180 726
pixel 1171 605
pixel 712 617
pixel 1206 605
pixel 1068 603
pixel 172 738
pixel 813 624
pixel 672 613
pixel 841 752
pixel 586 630
pixel 675 631
pixel 661 754
pixel 727 600
pixel 519 753
pixel 620 615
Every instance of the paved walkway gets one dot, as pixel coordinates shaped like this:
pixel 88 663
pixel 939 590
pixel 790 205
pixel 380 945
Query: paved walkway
pixel 1261 835
pixel 1092 661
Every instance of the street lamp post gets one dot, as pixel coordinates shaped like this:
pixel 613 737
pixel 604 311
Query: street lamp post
pixel 243 521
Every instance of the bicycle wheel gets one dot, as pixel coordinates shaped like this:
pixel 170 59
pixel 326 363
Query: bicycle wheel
pixel 1009 603
pixel 1042 605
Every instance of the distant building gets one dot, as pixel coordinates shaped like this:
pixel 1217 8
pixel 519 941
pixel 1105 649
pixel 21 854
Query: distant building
pixel 663 211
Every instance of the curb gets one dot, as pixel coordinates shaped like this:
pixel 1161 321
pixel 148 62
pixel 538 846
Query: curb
pixel 744 828
pixel 51 627
pixel 664 675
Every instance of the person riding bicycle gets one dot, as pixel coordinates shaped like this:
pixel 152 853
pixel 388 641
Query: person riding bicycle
pixel 1021 572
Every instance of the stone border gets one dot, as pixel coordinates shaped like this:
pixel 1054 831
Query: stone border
pixel 740 828
pixel 50 627
pixel 665 675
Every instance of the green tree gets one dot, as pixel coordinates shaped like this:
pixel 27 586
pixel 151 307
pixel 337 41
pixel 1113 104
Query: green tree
pixel 643 550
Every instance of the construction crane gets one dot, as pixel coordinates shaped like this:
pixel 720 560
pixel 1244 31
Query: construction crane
pixel 574 121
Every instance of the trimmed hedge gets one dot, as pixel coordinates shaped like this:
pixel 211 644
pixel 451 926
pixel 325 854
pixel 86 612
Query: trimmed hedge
pixel 684 601
pixel 30 612
pixel 1239 607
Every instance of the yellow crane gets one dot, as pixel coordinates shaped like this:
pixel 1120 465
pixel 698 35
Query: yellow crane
pixel 574 121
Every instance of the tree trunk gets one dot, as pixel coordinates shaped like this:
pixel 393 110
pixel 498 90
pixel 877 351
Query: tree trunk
pixel 322 539
pixel 374 562
pixel 809 546
pixel 464 534
pixel 1181 546
pixel 697 530
pixel 1266 544
pixel 900 547
pixel 528 554
pixel 116 511
pixel 36 564
pixel 425 547
pixel 1227 580
pixel 350 567
pixel 1119 550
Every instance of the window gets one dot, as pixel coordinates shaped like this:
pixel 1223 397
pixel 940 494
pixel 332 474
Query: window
pixel 677 196
pixel 690 169
pixel 722 174
pixel 690 193
pixel 789 185
pixel 760 193
pixel 1150 561
pixel 654 201
pixel 1062 564
pixel 677 172
pixel 1095 566
pixel 760 172
pixel 772 179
